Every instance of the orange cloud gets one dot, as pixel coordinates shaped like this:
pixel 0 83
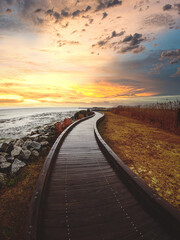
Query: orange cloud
pixel 10 101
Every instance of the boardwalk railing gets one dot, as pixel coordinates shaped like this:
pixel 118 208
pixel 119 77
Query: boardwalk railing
pixel 165 213
pixel 35 210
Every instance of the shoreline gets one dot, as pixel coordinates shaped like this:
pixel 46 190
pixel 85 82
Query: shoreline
pixel 17 123
pixel 22 164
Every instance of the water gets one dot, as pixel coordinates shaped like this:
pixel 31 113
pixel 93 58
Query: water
pixel 16 123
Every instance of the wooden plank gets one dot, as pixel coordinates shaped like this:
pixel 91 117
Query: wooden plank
pixel 86 199
pixel 35 210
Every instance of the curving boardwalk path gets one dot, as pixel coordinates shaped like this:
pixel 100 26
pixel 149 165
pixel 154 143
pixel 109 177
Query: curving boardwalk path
pixel 86 200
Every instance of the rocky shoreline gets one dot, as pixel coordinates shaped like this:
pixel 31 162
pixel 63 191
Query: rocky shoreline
pixel 18 153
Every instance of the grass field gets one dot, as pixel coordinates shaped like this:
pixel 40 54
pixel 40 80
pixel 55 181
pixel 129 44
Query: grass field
pixel 152 153
pixel 165 115
pixel 14 201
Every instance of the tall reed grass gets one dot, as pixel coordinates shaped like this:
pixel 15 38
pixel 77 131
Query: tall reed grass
pixel 164 115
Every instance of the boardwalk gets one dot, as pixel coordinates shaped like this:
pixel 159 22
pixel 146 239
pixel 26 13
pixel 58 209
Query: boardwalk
pixel 86 200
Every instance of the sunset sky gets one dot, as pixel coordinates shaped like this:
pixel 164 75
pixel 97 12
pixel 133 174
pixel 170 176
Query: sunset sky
pixel 88 52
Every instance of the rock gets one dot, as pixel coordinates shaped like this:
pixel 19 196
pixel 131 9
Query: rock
pixel 4 147
pixel 43 138
pixel 35 136
pixel 3 154
pixel 35 145
pixel 41 132
pixel 25 154
pixel 33 133
pixel 16 151
pixel 10 159
pixel 16 166
pixel 19 143
pixel 27 144
pixel 24 138
pixel 5 166
pixel 45 143
pixel 7 147
pixel 2 159
pixel 35 154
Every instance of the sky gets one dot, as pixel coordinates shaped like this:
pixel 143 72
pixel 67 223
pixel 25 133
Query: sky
pixel 88 52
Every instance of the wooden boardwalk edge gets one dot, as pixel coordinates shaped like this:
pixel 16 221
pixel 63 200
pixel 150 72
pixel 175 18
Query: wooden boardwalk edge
pixel 35 212
pixel 165 213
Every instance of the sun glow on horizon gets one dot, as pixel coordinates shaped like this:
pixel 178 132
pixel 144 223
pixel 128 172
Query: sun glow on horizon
pixel 87 53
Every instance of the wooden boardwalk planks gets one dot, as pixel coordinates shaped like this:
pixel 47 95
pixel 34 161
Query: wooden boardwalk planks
pixel 86 200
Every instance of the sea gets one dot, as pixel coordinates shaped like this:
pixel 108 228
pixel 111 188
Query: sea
pixel 18 122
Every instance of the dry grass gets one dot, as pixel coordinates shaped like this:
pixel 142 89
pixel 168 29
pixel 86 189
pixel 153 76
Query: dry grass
pixel 162 115
pixel 14 202
pixel 151 153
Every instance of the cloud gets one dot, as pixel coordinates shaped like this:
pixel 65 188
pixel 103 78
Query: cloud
pixel 126 82
pixel 167 7
pixel 9 2
pixel 128 38
pixel 8 10
pixel 88 8
pixel 91 21
pixel 38 10
pixel 107 4
pixel 64 13
pixel 158 20
pixel 54 14
pixel 132 44
pixel 156 69
pixel 104 15
pixel 6 101
pixel 78 12
pixel 177 7
pixel 107 39
pixel 177 73
pixel 62 43
pixel 172 56
pixel 77 2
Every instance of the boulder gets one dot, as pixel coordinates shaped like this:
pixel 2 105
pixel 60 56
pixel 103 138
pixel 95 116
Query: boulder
pixel 35 154
pixel 5 166
pixel 16 151
pixel 35 137
pixel 19 143
pixel 33 133
pixel 7 147
pixel 4 147
pixel 43 138
pixel 45 143
pixel 2 159
pixel 10 159
pixel 16 166
pixel 25 154
pixel 41 132
pixel 35 145
pixel 4 154
pixel 27 144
